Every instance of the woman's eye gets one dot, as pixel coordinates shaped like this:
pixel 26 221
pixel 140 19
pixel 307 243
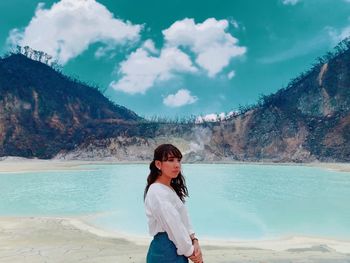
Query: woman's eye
pixel 172 160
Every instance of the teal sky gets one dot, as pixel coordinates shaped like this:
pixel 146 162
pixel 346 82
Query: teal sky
pixel 177 58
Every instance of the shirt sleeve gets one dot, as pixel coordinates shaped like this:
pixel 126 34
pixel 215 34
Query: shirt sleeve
pixel 187 221
pixel 168 216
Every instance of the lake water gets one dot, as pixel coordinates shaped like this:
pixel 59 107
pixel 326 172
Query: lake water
pixel 236 201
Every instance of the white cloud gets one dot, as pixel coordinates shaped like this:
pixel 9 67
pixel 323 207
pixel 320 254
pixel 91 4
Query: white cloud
pixel 149 46
pixel 214 117
pixel 290 2
pixel 142 70
pixel 14 38
pixel 70 26
pixel 213 47
pixel 208 117
pixel 234 23
pixel 105 50
pixel 338 35
pixel 344 33
pixel 180 98
pixel 231 74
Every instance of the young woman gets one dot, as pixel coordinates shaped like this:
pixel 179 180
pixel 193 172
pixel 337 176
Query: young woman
pixel 174 240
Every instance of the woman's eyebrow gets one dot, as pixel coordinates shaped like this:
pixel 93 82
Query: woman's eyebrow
pixel 172 157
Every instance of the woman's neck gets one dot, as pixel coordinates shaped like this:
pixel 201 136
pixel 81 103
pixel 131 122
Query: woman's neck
pixel 164 180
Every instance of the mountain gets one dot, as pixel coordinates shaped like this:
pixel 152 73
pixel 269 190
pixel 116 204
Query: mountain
pixel 309 120
pixel 48 115
pixel 43 111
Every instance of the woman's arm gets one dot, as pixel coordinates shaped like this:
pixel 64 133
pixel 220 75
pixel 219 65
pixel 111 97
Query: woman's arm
pixel 167 215
pixel 186 219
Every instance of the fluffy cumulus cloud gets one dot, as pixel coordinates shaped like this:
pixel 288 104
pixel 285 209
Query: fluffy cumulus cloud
pixel 180 98
pixel 290 2
pixel 68 28
pixel 143 69
pixel 211 44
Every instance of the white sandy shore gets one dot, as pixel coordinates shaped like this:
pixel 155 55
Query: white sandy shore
pixel 18 164
pixel 45 239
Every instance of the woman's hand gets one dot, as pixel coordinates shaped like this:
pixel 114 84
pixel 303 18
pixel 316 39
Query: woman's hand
pixel 196 257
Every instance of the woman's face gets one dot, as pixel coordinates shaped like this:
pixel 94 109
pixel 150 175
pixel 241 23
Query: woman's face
pixel 171 167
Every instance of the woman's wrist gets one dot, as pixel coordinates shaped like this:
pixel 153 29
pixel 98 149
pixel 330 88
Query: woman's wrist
pixel 194 239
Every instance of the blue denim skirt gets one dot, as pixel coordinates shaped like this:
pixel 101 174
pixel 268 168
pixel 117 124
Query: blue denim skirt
pixel 163 250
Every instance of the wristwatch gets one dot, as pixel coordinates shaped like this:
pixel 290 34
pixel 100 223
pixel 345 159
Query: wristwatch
pixel 193 239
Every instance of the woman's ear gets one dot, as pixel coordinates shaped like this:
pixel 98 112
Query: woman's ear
pixel 158 164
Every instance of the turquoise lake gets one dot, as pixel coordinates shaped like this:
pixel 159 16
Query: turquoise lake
pixel 236 201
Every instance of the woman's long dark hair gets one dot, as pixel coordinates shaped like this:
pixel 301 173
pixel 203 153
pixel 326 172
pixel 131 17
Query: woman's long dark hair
pixel 161 153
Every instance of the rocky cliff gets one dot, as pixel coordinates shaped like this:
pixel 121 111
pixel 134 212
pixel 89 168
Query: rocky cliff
pixel 45 114
pixel 42 111
pixel 308 120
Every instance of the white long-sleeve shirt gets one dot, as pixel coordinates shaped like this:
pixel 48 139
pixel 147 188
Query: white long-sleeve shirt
pixel 167 213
